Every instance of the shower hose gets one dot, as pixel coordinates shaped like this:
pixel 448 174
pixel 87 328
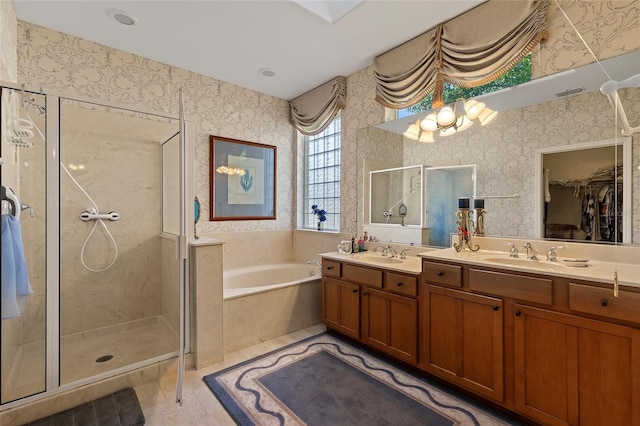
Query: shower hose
pixel 95 210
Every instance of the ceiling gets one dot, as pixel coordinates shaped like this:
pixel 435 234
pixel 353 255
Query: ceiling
pixel 305 43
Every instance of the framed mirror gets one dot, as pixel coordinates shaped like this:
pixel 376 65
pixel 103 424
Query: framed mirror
pixel 242 180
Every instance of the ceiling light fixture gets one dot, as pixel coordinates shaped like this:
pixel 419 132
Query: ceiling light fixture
pixel 267 72
pixel 125 18
pixel 450 119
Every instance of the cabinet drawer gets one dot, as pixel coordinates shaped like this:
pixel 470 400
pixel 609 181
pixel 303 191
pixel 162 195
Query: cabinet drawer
pixel 600 301
pixel 519 287
pixel 439 273
pixel 331 268
pixel 403 284
pixel 362 275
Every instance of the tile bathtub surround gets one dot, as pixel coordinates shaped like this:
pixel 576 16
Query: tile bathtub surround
pixel 242 249
pixel 262 316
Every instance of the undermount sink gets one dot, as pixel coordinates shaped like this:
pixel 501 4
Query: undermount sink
pixel 378 259
pixel 518 262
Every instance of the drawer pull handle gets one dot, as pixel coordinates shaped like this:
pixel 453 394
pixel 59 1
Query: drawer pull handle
pixel 496 307
pixel 604 302
pixel 398 284
pixel 518 313
pixel 364 293
pixel 355 290
pixel 440 273
pixel 329 268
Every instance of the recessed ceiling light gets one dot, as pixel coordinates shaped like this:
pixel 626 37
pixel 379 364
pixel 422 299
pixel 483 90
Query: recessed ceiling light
pixel 125 18
pixel 267 72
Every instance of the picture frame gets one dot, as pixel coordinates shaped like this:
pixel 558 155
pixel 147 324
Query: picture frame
pixel 242 180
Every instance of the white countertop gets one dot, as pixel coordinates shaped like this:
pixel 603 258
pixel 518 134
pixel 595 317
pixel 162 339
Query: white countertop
pixel 410 265
pixel 596 270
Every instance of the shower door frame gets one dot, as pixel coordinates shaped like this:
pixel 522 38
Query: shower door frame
pixel 52 236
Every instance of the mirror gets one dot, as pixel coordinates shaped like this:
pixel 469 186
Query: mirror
pixel 504 151
pixel 585 193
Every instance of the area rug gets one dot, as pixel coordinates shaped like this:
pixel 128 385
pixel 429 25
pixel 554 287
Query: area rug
pixel 324 380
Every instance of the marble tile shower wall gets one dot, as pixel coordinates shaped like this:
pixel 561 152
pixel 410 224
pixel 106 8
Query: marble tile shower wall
pixel 106 143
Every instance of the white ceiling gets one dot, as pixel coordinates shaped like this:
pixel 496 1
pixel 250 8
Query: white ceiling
pixel 233 40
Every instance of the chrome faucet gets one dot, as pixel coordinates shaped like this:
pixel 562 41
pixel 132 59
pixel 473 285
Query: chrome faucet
pixel 552 256
pixel 387 249
pixel 513 250
pixel 531 252
pixel 314 262
pixel 403 253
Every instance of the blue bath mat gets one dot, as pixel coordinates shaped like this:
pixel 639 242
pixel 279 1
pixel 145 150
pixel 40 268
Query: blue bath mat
pixel 326 381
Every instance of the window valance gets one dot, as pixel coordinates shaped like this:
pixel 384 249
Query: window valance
pixel 312 112
pixel 470 50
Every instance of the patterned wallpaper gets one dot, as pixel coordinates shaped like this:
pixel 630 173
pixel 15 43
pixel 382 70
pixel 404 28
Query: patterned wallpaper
pixel 8 35
pixel 78 67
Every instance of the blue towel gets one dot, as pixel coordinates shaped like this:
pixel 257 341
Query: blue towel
pixel 15 281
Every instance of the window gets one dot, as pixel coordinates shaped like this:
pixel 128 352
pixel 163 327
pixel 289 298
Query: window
pixel 321 177
pixel 521 73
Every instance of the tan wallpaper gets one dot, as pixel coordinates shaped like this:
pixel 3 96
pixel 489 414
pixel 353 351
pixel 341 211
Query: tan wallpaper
pixel 8 35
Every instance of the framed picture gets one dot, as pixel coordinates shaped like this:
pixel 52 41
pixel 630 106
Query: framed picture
pixel 242 180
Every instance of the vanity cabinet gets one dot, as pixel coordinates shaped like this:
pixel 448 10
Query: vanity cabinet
pixel 341 306
pixel 375 306
pixel 573 370
pixel 462 339
pixel 390 323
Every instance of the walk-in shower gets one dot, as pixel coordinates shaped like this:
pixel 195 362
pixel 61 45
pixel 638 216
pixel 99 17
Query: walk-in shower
pixel 99 251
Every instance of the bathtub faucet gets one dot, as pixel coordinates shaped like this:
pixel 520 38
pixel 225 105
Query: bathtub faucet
pixel 313 262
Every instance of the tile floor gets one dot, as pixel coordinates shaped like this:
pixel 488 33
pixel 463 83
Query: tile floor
pixel 200 407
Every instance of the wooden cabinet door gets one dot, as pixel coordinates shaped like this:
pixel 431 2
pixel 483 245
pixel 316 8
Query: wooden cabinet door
pixel 341 306
pixel 390 323
pixel 543 368
pixel 462 339
pixel 577 371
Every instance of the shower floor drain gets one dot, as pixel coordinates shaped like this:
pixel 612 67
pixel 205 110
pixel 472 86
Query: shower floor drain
pixel 104 358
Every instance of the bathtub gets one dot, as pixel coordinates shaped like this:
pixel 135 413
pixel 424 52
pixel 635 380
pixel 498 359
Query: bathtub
pixel 268 301
pixel 257 279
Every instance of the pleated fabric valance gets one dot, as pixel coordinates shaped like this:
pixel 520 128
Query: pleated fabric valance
pixel 312 112
pixel 470 50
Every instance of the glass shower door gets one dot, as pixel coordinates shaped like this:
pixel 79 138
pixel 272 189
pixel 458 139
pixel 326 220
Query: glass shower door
pixel 118 304
pixel 24 295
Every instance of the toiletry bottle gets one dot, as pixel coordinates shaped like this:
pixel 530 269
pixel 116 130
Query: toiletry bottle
pixel 354 245
pixel 360 244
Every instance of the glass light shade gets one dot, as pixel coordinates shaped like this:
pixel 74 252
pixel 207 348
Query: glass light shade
pixel 448 132
pixel 413 131
pixel 426 137
pixel 487 115
pixel 464 123
pixel 429 123
pixel 473 108
pixel 446 116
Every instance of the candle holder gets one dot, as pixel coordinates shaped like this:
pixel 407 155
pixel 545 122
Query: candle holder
pixel 464 231
pixel 479 224
pixel 478 229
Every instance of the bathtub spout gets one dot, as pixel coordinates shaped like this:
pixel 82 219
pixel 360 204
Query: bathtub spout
pixel 309 262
